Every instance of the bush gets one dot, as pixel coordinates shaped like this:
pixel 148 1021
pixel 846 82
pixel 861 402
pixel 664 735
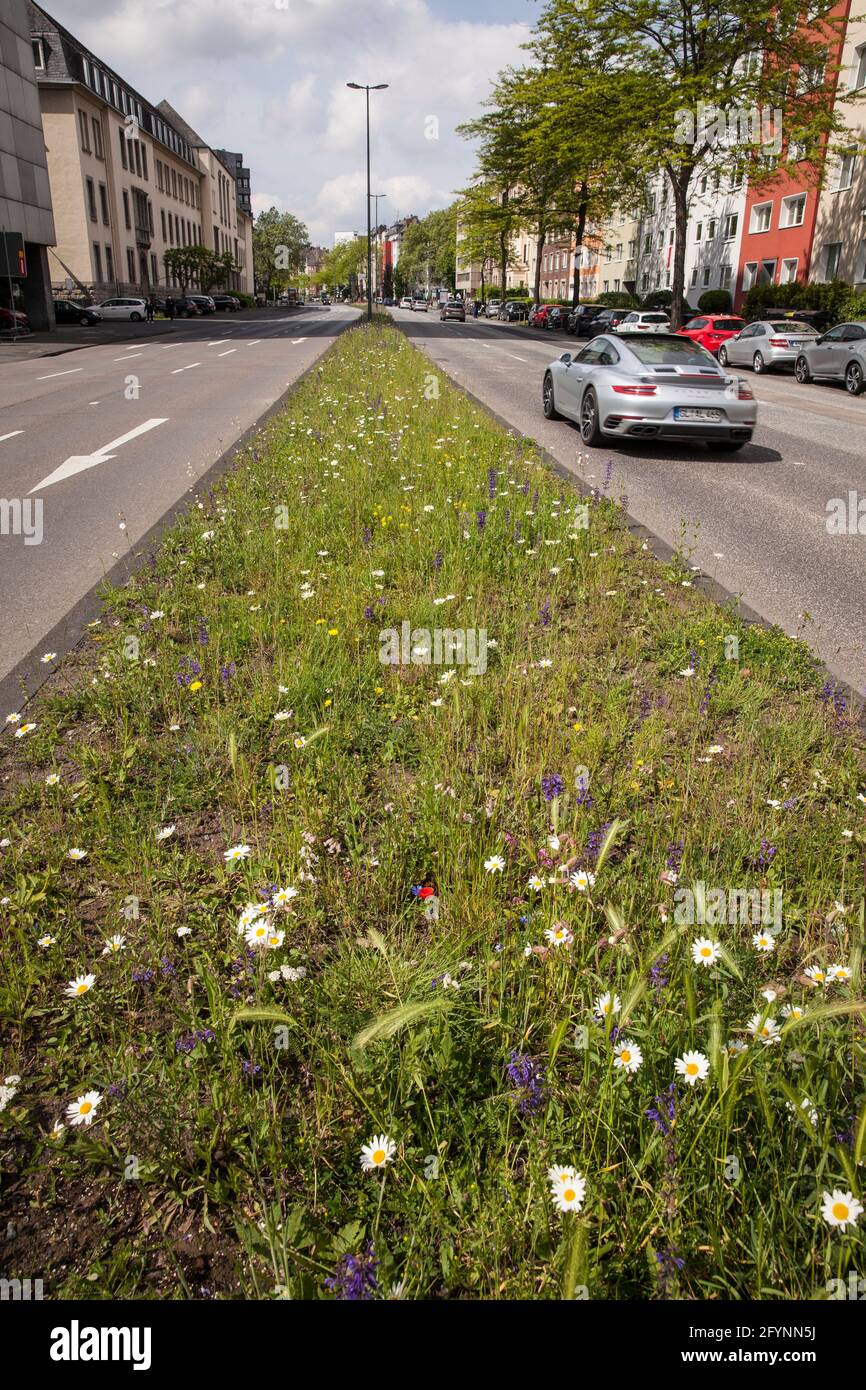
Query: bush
pixel 657 299
pixel 833 296
pixel 616 299
pixel 715 302
pixel 248 301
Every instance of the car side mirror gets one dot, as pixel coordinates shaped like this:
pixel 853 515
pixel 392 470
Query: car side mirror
pixel 565 357
pixel 819 339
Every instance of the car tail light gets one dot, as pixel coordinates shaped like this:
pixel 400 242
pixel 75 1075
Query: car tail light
pixel 778 342
pixel 636 390
pixel 744 390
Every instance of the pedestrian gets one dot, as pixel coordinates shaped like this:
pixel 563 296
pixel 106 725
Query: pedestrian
pixel 170 308
pixel 149 311
pixel 475 308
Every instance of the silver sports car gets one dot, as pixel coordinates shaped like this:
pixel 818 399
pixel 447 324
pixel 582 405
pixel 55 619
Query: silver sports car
pixel 658 386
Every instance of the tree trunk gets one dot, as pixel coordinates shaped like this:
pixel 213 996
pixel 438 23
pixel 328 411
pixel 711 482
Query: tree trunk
pixel 579 231
pixel 503 263
pixel 539 251
pixel 680 186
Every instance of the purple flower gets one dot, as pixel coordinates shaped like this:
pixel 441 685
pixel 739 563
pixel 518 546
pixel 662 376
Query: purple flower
pixel 250 1068
pixel 367 536
pixel 659 980
pixel 552 786
pixel 437 560
pixel 663 1110
pixel 203 635
pixel 675 855
pixel 524 1073
pixel 368 613
pixel 595 839
pixel 354 1279
pixel 491 483
pixel 188 671
pixel 764 858
pixel 142 977
pixel 482 519
pixel 544 613
pixel 227 672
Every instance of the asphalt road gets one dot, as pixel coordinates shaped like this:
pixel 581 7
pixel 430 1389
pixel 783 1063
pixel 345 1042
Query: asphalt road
pixel 756 521
pixel 109 439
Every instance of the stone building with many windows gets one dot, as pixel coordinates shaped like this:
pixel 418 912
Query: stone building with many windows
pixel 25 195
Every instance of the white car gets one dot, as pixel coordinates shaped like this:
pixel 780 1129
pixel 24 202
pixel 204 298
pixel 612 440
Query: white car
pixel 406 302
pixel 420 304
pixel 644 321
pixel 133 310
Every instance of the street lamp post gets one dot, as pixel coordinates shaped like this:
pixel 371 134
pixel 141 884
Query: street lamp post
pixel 363 87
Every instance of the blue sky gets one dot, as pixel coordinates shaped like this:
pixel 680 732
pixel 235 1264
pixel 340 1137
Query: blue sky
pixel 267 77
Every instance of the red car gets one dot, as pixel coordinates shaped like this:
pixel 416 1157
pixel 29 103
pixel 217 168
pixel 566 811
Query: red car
pixel 538 317
pixel 8 321
pixel 711 330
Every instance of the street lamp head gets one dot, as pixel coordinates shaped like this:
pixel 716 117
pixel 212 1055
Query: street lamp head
pixel 380 87
pixel 356 86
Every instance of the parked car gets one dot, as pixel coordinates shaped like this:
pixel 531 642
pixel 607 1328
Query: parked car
pixel 491 308
pixel 819 319
pixel 649 386
pixel 389 301
pixel 606 322
pixel 837 355
pixel 420 305
pixel 579 319
pixel 644 321
pixel 12 319
pixel 556 319
pixel 712 330
pixel 513 311
pixel 406 302
pixel 205 303
pixel 453 309
pixel 66 311
pixel 763 346
pixel 538 317
pixel 132 310
pixel 185 307
pixel 227 303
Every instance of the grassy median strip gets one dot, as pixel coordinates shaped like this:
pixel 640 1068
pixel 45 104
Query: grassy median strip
pixel 420 891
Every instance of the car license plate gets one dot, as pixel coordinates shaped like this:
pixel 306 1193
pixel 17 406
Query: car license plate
pixel 694 413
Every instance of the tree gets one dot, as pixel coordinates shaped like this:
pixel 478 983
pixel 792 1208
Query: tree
pixel 342 267
pixel 706 85
pixel 186 264
pixel 487 221
pixel 428 250
pixel 279 243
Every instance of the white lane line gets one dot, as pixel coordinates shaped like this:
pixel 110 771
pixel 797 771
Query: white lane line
pixel 295 341
pixel 254 343
pixel 227 354
pixel 129 357
pixel 10 435
pixel 79 462
pixel 219 342
pixel 178 370
pixel 71 372
pixel 516 358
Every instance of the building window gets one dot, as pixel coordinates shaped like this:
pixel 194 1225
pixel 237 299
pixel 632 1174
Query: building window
pixel 162 216
pixel 145 175
pixel 174 183
pixel 708 270
pixel 794 210
pixel 699 231
pixel 767 273
pixel 694 275
pixel 712 228
pixel 136 150
pixel 84 131
pixel 130 263
pixel 97 139
pixel 97 260
pixel 725 273
pixel 732 221
pixel 750 270
pixel 126 217
pixel 761 218
pixel 845 171
pixel 832 256
pixel 91 199
pixel 38 55
pixel 789 272
pixel 154 268
pixel 109 263
pixel 103 203
pixel 860 68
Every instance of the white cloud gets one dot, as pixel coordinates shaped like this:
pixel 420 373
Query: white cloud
pixel 269 81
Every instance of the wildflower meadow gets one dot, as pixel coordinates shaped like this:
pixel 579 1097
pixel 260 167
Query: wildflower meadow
pixel 415 889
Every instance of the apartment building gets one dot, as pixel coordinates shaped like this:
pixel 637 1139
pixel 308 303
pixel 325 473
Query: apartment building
pixel 839 241
pixel 618 254
pixel 25 194
pixel 127 181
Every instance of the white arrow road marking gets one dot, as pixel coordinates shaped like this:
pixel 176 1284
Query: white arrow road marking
pixel 178 370
pixel 79 462
pixel 10 435
pixel 71 372
pixel 295 341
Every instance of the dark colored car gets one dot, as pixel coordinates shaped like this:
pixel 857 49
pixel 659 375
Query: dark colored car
pixel 66 311
pixel 453 309
pixel 513 311
pixel 819 319
pixel 579 319
pixel 606 321
pixel 556 319
pixel 185 306
pixel 9 320
pixel 204 302
pixel 226 302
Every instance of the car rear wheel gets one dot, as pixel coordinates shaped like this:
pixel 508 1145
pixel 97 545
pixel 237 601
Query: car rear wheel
pixel 801 371
pixel 758 364
pixel 84 320
pixel 723 356
pixel 854 378
pixel 590 430
pixel 548 400
pixel 135 317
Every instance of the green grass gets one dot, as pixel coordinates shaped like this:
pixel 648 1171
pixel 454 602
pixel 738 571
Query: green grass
pixel 202 1177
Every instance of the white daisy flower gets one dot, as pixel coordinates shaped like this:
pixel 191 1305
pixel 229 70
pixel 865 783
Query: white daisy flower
pixel 283 896
pixel 582 880
pixel 627 1056
pixel 838 974
pixel 82 1110
pixel 569 1195
pixel 113 945
pixel 705 952
pixel 52 779
pixel 258 934
pixel 47 940
pixel 165 833
pixel 607 1004
pixel 282 715
pixel 56 1130
pixel 13 719
pixel 237 852
pixel 735 1047
pixel 840 1209
pixel 816 974
pixel 764 942
pixel 24 730
pixel 378 1153
pixel 559 935
pixel 495 864
pixel 807 1106
pixel 693 1066
pixel 765 1030
pixel 536 883
pixel 793 1011
pixel 48 658
pixel 80 985
pixel 76 854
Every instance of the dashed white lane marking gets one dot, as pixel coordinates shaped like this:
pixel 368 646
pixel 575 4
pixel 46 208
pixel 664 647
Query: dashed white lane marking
pixel 219 342
pixel 71 372
pixel 227 354
pixel 254 343
pixel 79 462
pixel 516 358
pixel 295 341
pixel 178 370
pixel 10 435
pixel 129 356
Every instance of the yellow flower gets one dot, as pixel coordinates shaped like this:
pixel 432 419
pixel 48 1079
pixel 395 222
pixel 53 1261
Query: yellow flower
pixel 196 685
pixel 328 702
pixel 320 622
pixel 578 728
pixel 380 690
pixel 333 631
